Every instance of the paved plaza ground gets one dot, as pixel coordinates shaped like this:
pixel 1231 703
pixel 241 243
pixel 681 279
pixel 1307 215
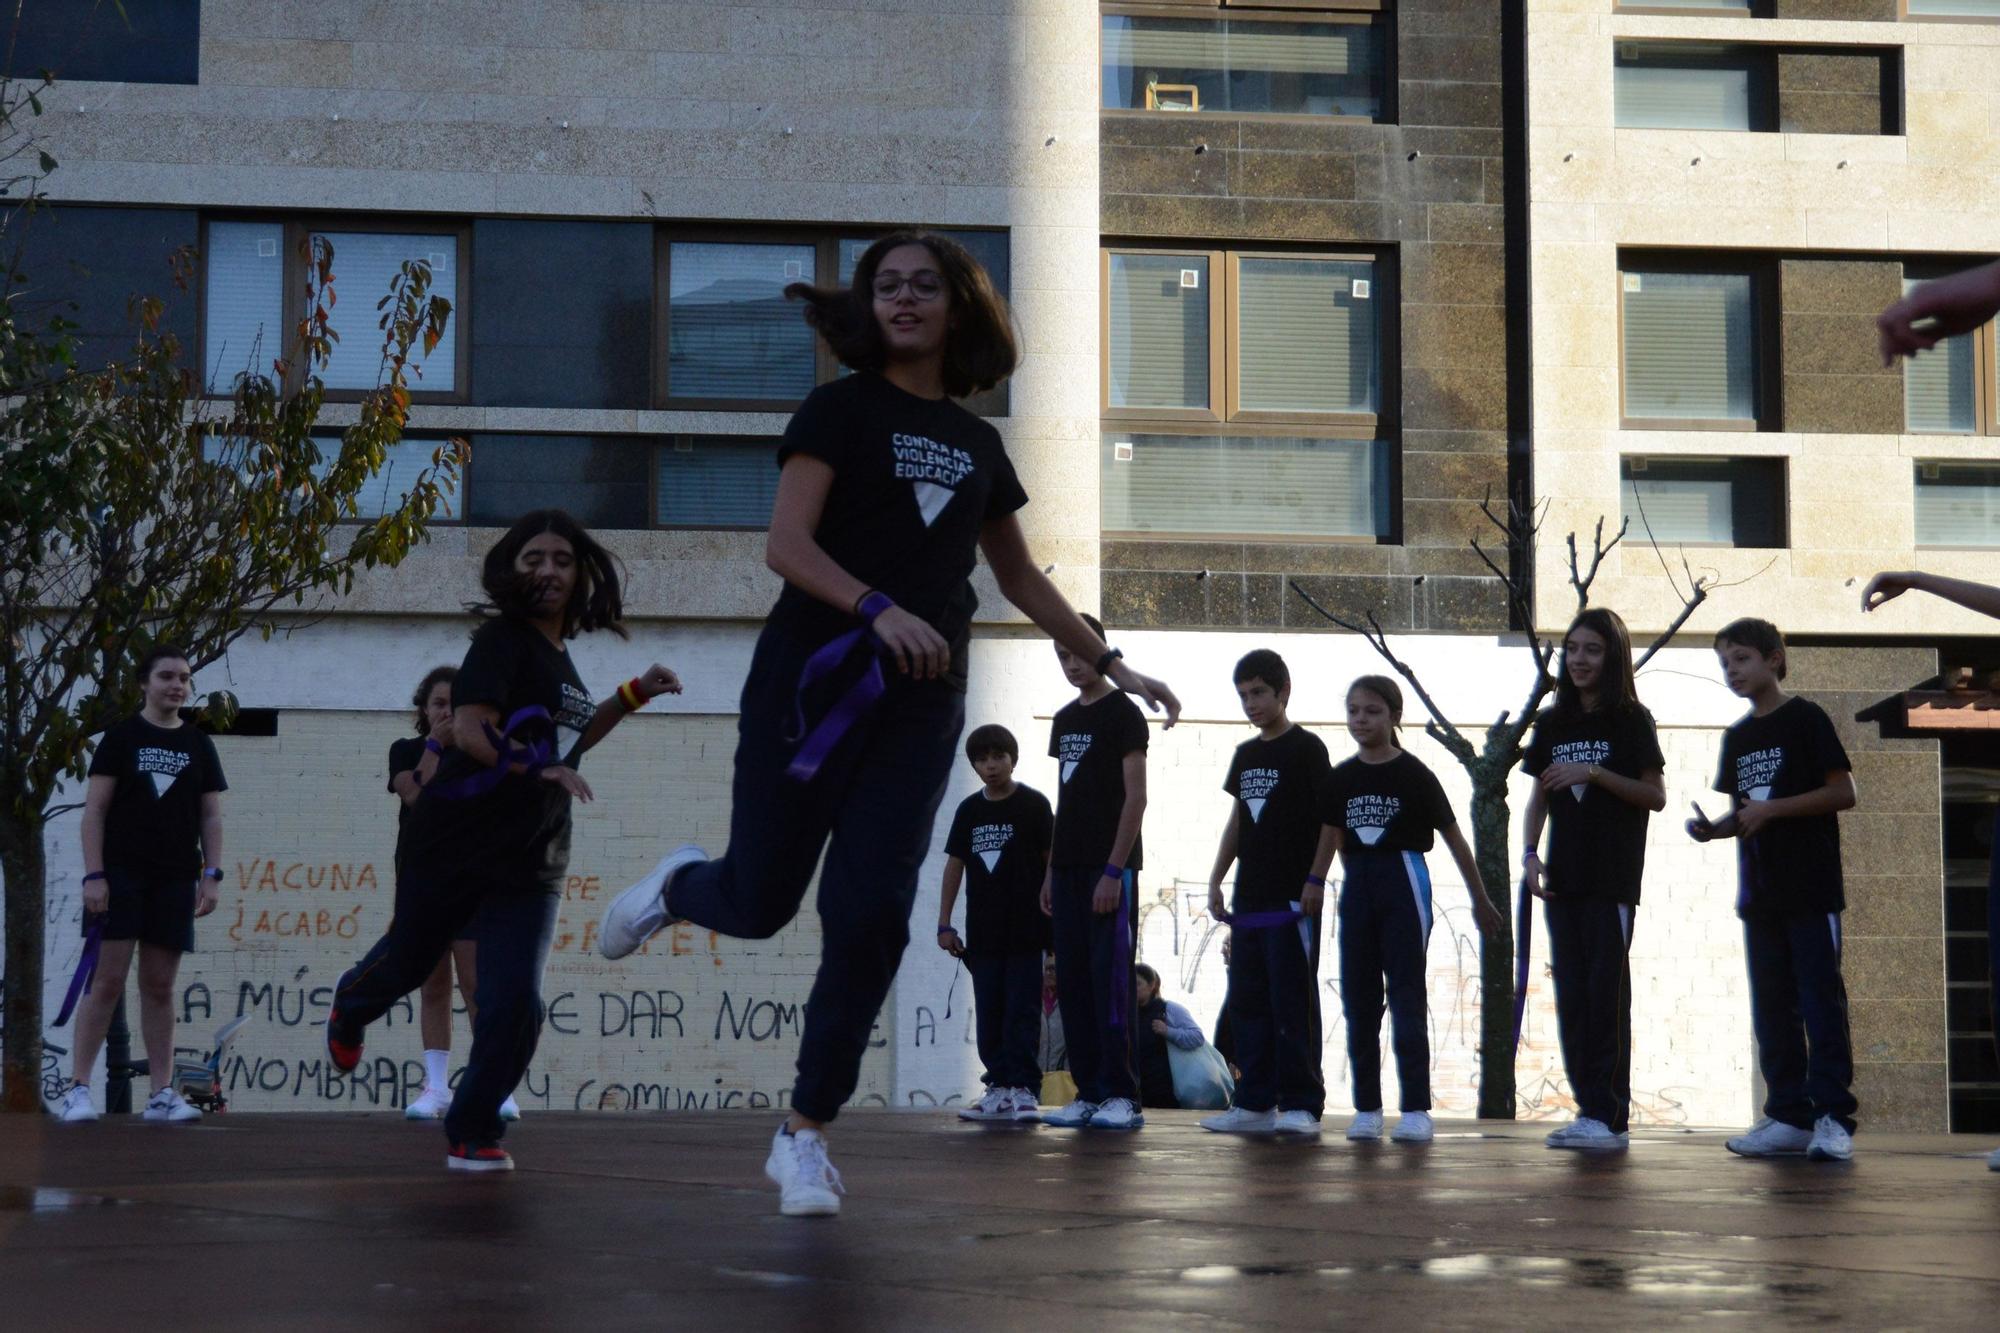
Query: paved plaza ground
pixel 351 1221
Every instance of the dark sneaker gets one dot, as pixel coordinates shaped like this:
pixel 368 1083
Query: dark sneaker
pixel 478 1157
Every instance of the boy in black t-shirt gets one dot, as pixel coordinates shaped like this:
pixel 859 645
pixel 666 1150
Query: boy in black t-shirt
pixel 1281 837
pixel 999 846
pixel 1099 744
pixel 1788 777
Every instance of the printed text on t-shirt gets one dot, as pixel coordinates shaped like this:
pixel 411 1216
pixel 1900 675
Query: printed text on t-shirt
pixel 1757 770
pixel 1370 813
pixel 920 458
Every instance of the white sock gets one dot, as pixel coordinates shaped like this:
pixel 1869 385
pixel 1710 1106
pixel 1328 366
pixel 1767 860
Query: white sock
pixel 437 1069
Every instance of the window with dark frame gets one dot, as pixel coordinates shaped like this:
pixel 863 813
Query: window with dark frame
pixel 253 288
pixel 1958 504
pixel 1950 389
pixel 1695 341
pixel 136 41
pixel 1248 57
pixel 1247 394
pixel 1705 501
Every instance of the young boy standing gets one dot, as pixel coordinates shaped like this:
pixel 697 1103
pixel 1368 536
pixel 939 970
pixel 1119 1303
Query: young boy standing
pixel 1281 836
pixel 1098 741
pixel 999 848
pixel 1788 775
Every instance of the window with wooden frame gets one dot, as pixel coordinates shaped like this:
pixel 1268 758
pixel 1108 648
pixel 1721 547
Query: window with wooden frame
pixel 1243 394
pixel 728 339
pixel 253 295
pixel 1323 59
pixel 1695 86
pixel 1696 341
pixel 1705 501
pixel 1958 504
pixel 1950 389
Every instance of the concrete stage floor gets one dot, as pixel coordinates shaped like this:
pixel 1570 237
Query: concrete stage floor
pixel 351 1221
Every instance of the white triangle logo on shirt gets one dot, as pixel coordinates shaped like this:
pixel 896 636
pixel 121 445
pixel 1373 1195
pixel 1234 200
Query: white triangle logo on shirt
pixel 1760 793
pixel 566 739
pixel 991 859
pixel 1369 836
pixel 1256 804
pixel 162 781
pixel 1578 789
pixel 1069 769
pixel 931 499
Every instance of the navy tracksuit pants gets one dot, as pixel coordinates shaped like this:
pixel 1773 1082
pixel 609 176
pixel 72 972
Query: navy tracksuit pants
pixel 1094 988
pixel 1385 929
pixel 1274 1016
pixel 1590 947
pixel 1007 1014
pixel 1798 1007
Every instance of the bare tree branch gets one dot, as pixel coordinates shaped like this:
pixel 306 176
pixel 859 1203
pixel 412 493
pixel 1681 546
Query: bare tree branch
pixel 1440 727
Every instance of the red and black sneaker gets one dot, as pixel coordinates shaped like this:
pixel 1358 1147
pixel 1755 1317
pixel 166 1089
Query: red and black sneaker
pixel 478 1157
pixel 344 1050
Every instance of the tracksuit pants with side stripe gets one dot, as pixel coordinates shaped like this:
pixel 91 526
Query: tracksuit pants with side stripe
pixel 1798 1006
pixel 1385 929
pixel 1590 949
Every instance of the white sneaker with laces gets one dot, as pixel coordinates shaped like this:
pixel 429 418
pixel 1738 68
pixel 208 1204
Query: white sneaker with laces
pixel 168 1105
pixel 1830 1141
pixel 1365 1125
pixel 1771 1138
pixel 997 1104
pixel 1298 1124
pixel 1588 1135
pixel 1237 1120
pixel 1560 1136
pixel 1414 1127
pixel 1118 1113
pixel 1074 1116
pixel 640 912
pixel 1025 1105
pixel 808 1186
pixel 76 1108
pixel 431 1104
pixel 510 1109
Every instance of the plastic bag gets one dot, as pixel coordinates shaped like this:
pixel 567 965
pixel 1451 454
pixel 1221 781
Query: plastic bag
pixel 1201 1078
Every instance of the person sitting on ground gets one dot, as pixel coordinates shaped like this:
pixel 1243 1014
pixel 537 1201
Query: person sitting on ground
pixel 1160 1021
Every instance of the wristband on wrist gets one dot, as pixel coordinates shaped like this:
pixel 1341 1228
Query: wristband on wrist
pixel 95 874
pixel 872 604
pixel 629 696
pixel 1110 655
pixel 432 746
pixel 1113 872
pixel 1316 881
pixel 212 872
pixel 947 930
pixel 1531 856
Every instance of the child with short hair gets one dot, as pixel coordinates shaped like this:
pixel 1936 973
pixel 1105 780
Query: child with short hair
pixel 1281 836
pixel 1099 742
pixel 1788 777
pixel 999 848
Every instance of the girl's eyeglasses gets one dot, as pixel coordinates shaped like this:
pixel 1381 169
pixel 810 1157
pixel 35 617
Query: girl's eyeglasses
pixel 924 286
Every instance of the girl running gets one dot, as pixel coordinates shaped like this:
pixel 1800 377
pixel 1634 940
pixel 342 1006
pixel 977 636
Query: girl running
pixel 152 852
pixel 856 693
pixel 1596 760
pixel 1388 804
pixel 490 832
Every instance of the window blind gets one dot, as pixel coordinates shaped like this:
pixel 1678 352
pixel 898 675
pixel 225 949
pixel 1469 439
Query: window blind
pixel 1306 342
pixel 1244 486
pixel 1175 46
pixel 1958 507
pixel 1689 346
pixel 364 264
pixel 243 293
pixel 1679 510
pixel 600 479
pixel 1159 331
pixel 1938 390
pixel 714 481
pixel 1687 97
pixel 1957 8
pixel 730 331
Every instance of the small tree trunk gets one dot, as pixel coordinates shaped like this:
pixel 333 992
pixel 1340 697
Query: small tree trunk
pixel 1496 952
pixel 23 858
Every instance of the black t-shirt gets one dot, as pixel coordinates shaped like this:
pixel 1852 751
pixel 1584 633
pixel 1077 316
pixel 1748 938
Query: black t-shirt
pixel 1793 865
pixel 1597 843
pixel 1284 797
pixel 1389 807
pixel 1005 848
pixel 154 824
pixel 516 833
pixel 1089 742
pixel 913 480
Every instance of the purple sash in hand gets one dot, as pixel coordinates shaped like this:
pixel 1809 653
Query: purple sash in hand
pixel 534 758
pixel 851 707
pixel 86 968
pixel 1524 937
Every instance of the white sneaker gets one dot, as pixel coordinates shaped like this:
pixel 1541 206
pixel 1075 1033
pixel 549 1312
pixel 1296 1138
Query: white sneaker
pixel 76 1108
pixel 1237 1120
pixel 1074 1116
pixel 640 912
pixel 997 1104
pixel 1365 1125
pixel 1588 1135
pixel 1118 1113
pixel 168 1105
pixel 1025 1105
pixel 1830 1141
pixel 1771 1138
pixel 1301 1124
pixel 808 1185
pixel 509 1109
pixel 1414 1127
pixel 431 1104
pixel 1993 1160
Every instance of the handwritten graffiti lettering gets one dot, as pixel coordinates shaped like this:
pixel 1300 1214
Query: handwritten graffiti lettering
pixel 640 1014
pixel 262 876
pixel 756 1020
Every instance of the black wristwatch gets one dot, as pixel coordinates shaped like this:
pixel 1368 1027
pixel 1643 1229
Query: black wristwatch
pixel 214 873
pixel 1110 655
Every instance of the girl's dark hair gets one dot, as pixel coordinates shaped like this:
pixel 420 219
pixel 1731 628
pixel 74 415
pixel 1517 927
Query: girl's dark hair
pixel 436 676
pixel 992 739
pixel 1145 970
pixel 1759 636
pixel 1616 691
pixel 593 603
pixel 980 348
pixel 1390 693
pixel 159 652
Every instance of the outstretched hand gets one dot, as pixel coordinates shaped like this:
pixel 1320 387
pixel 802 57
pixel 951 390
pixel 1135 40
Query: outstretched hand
pixel 1154 692
pixel 659 680
pixel 1887 587
pixel 1943 308
pixel 570 781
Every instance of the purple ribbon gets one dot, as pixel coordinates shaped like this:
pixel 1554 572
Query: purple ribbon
pixel 86 968
pixel 1121 959
pixel 1260 920
pixel 1524 938
pixel 534 758
pixel 817 744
